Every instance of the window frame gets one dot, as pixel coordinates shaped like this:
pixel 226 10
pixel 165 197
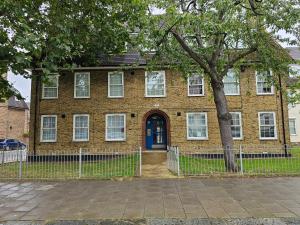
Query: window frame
pixel 256 80
pixel 275 126
pixel 81 140
pixel 146 85
pixel 57 85
pixel 42 128
pixel 108 83
pixel 188 84
pixel 238 85
pixel 187 127
pixel 106 126
pixel 295 126
pixel 89 84
pixel 241 126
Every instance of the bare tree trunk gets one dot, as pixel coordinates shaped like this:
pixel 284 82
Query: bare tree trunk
pixel 224 120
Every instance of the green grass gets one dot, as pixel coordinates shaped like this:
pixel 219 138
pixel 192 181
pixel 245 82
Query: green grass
pixel 124 167
pixel 190 165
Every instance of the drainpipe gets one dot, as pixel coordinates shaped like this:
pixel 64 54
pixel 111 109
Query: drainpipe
pixel 282 116
pixel 36 105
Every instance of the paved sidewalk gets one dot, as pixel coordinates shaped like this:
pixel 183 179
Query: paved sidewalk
pixel 141 198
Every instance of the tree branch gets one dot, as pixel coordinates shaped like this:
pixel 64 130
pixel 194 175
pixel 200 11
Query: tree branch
pixel 199 59
pixel 242 55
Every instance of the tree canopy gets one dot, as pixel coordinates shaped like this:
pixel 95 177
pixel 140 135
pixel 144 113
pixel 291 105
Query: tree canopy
pixel 48 34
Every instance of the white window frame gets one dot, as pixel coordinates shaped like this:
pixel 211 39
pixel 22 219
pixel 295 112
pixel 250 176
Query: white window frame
pixel 43 89
pixel 238 84
pixel 146 86
pixel 203 93
pixel 293 118
pixel 41 129
pixel 108 77
pixel 241 125
pixel 187 127
pixel 106 126
pixel 77 115
pixel 275 127
pixel 89 83
pixel 256 80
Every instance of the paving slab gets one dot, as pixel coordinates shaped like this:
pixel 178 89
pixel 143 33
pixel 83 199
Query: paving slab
pixel 190 198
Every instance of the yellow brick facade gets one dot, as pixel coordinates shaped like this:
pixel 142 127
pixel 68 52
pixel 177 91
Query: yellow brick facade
pixel 135 102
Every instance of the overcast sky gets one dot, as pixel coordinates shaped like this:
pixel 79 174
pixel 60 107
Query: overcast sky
pixel 24 85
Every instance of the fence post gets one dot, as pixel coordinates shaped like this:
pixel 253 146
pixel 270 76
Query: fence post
pixel 140 153
pixel 20 164
pixel 80 161
pixel 177 155
pixel 241 160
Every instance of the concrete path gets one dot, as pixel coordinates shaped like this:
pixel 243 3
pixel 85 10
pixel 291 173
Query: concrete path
pixel 155 165
pixel 223 199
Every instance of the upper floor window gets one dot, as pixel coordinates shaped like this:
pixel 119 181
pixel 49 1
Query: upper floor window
pixel 294 70
pixel 292 126
pixel 48 128
pixel 267 125
pixel 195 85
pixel 155 84
pixel 115 127
pixel 236 125
pixel 231 83
pixel 81 127
pixel 50 88
pixel 263 85
pixel 197 126
pixel 116 84
pixel 82 85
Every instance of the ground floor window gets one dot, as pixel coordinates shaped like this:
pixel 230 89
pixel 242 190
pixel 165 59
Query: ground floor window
pixel 292 126
pixel 115 127
pixel 236 125
pixel 81 127
pixel 48 128
pixel 197 126
pixel 267 125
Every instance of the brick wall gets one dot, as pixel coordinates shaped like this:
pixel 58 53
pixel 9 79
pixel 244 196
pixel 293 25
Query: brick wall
pixel 134 102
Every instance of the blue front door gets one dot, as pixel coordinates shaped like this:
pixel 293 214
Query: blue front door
pixel 156 133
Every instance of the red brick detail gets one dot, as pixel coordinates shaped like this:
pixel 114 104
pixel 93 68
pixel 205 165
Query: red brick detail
pixel 146 116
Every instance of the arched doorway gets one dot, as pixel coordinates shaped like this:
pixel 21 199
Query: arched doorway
pixel 156 128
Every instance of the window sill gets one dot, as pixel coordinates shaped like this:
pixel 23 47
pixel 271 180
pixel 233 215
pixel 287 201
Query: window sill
pixel 263 94
pixel 159 96
pixel 116 140
pixel 197 139
pixel 196 95
pixel 48 141
pixel 268 139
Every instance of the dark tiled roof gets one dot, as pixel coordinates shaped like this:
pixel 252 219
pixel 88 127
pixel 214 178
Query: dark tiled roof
pixel 19 104
pixel 294 52
pixel 122 59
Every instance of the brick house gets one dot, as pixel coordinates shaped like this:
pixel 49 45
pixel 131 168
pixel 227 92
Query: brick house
pixel 120 105
pixel 14 119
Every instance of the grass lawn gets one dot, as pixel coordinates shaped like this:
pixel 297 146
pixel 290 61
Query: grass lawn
pixel 190 165
pixel 123 166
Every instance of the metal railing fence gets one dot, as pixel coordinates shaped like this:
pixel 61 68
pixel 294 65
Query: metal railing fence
pixel 249 160
pixel 83 163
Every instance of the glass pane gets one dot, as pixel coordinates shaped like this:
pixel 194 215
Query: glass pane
pixel 49 122
pixel 81 133
pixel 116 90
pixel 49 134
pixel 52 81
pixel 50 92
pixel 115 78
pixel 267 119
pixel 267 131
pixel 81 121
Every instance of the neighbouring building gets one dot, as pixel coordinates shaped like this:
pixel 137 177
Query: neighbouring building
pixel 294 109
pixel 14 119
pixel 120 105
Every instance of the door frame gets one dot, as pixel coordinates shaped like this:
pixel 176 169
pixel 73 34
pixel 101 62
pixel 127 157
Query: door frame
pixel 146 116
